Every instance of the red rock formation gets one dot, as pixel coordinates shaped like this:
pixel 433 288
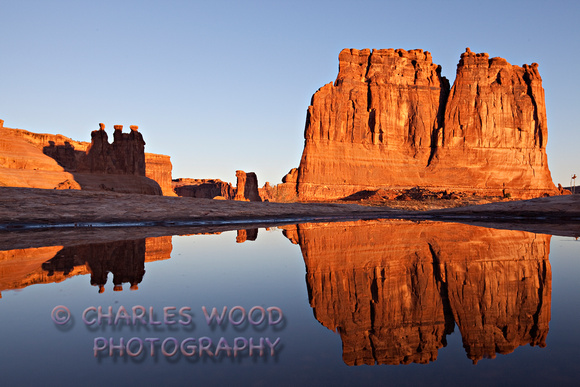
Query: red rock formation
pixel 129 149
pixel 97 158
pixel 247 187
pixel 54 161
pixel 22 164
pixel 268 192
pixel 495 120
pixel 203 188
pixel 286 191
pixel 393 289
pixel 387 122
pixel 125 156
pixel 158 168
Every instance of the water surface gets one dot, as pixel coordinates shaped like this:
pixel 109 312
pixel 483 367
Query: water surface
pixel 367 302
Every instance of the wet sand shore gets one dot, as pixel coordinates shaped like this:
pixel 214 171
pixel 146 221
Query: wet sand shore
pixel 28 216
pixel 22 207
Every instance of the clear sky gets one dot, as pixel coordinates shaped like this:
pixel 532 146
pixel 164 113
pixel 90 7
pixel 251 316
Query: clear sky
pixel 224 85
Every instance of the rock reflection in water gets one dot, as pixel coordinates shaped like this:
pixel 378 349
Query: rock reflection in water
pixel 393 290
pixel 20 268
pixel 124 259
pixel 247 235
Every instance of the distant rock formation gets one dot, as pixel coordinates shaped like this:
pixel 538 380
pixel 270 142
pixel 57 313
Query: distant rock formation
pixel 391 121
pixel 268 192
pixel 394 290
pixel 54 161
pixel 203 188
pixel 247 187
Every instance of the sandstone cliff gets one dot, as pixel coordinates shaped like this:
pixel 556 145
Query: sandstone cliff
pixel 393 290
pixel 158 168
pixel 54 161
pixel 391 121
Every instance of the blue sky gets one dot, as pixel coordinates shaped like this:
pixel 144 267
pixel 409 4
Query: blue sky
pixel 224 85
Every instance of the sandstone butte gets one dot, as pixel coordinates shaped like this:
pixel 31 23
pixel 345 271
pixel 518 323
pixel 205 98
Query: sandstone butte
pixel 50 161
pixel 391 121
pixel 395 303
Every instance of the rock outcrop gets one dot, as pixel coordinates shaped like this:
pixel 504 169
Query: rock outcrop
pixel 54 161
pixel 391 121
pixel 394 290
pixel 286 191
pixel 158 168
pixel 22 163
pixel 247 187
pixel 203 188
pixel 125 156
pixel 268 192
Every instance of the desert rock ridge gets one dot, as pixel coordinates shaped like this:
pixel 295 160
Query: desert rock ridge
pixel 49 161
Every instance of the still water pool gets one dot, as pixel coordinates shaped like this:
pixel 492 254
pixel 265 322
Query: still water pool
pixel 354 303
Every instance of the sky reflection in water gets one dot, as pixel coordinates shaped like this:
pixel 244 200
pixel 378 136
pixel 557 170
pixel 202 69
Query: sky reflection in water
pixel 432 297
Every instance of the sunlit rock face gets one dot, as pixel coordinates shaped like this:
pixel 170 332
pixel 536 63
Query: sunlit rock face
pixel 394 290
pixel 159 168
pixel 391 121
pixel 23 164
pixel 495 129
